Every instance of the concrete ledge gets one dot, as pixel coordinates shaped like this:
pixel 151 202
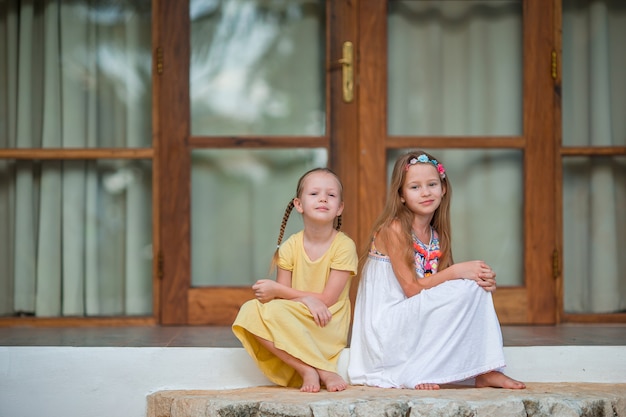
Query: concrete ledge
pixel 65 381
pixel 539 399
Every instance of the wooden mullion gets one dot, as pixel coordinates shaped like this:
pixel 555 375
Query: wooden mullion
pixel 558 163
pixel 259 142
pixel 594 151
pixel 171 129
pixel 342 116
pixel 64 153
pixel 594 318
pixel 77 321
pixel 539 162
pixel 216 305
pixel 511 304
pixel 464 142
pixel 373 141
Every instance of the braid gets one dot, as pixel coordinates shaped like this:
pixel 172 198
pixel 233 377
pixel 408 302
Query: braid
pixel 283 225
pixel 338 226
pixel 281 234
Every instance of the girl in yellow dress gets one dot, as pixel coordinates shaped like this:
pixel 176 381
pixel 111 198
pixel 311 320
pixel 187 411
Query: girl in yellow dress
pixel 297 326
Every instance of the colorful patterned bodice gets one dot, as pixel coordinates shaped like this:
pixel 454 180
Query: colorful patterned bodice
pixel 426 255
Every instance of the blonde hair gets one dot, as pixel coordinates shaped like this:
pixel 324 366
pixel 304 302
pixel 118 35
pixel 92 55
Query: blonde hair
pixel 395 210
pixel 290 206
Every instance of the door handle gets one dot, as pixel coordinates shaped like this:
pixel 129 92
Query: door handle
pixel 347 72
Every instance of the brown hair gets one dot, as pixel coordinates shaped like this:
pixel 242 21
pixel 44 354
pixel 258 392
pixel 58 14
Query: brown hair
pixel 394 209
pixel 290 206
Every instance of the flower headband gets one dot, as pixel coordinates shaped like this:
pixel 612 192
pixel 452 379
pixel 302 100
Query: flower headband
pixel 425 159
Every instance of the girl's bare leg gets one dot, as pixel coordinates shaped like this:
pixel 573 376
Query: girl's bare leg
pixel 310 377
pixel 497 379
pixel 427 386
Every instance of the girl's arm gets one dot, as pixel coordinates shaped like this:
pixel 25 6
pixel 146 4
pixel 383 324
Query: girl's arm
pixel 336 282
pixel 390 241
pixel 317 303
pixel 267 289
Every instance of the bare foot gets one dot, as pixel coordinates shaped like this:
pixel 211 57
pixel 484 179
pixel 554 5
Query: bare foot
pixel 334 382
pixel 497 379
pixel 427 386
pixel 310 381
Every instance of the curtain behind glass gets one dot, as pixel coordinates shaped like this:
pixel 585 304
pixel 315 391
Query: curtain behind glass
pixel 76 75
pixel 455 67
pixel 594 188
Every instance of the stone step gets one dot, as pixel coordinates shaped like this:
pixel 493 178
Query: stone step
pixel 539 399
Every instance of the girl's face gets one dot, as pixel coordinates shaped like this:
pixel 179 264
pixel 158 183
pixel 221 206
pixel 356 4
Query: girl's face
pixel 422 190
pixel 320 199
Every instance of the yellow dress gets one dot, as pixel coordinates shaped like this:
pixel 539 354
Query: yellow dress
pixel 289 324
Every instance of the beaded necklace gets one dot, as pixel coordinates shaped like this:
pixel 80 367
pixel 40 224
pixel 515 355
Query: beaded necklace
pixel 426 256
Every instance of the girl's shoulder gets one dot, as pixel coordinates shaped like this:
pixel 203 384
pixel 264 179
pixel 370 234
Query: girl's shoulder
pixel 342 236
pixel 389 235
pixel 296 237
pixel 342 239
pixel 392 228
pixel 293 241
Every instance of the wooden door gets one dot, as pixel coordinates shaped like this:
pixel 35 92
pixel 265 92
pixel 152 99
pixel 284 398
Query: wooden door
pixel 358 142
pixel 533 301
pixel 181 301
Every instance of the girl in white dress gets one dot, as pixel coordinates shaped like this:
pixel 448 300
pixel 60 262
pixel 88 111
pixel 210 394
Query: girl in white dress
pixel 421 320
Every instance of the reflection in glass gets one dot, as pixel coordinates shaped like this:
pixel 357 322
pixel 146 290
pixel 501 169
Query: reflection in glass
pixel 75 74
pixel 594 234
pixel 75 238
pixel 487 208
pixel 238 201
pixel 257 67
pixel 594 86
pixel 455 67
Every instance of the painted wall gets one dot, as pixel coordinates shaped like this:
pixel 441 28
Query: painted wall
pixel 115 381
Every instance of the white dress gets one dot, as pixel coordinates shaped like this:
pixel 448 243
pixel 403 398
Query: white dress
pixel 448 333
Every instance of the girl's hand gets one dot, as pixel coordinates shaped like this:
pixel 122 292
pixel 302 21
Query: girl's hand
pixel 488 285
pixel 479 272
pixel 321 313
pixel 265 290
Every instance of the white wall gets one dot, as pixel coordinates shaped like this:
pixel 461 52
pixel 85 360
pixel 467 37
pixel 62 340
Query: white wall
pixel 109 381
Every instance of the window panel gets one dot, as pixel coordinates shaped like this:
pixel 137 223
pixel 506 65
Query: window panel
pixel 76 75
pixel 76 238
pixel 257 68
pixel 455 68
pixel 238 200
pixel 594 230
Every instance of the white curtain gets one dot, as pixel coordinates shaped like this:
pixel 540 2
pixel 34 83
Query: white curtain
pixel 594 188
pixel 76 235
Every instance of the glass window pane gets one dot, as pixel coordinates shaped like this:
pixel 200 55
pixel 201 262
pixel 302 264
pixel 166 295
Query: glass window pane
pixel 594 86
pixel 238 201
pixel 487 207
pixel 594 234
pixel 455 67
pixel 75 75
pixel 75 238
pixel 258 67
